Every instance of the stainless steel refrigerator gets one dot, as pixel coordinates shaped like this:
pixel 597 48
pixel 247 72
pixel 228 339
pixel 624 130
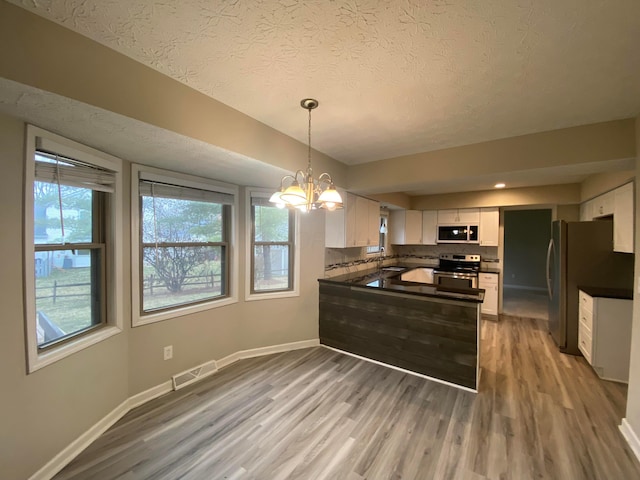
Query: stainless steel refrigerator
pixel 580 254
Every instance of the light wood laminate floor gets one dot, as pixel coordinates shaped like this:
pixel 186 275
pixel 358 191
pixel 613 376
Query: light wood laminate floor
pixel 318 414
pixel 525 303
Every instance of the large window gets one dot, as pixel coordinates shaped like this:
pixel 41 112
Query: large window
pixel 71 243
pixel 183 244
pixel 272 248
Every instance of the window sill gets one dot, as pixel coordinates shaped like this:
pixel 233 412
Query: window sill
pixel 251 297
pixel 40 360
pixel 140 320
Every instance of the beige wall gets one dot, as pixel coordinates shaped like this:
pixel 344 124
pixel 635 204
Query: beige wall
pixel 598 184
pixel 545 195
pixel 44 412
pixel 568 213
pixel 570 146
pixel 633 397
pixel 401 200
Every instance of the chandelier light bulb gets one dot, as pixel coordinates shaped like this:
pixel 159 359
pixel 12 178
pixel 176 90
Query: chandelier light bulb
pixel 303 191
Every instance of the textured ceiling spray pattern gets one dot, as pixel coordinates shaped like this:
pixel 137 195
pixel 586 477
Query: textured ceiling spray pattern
pixel 396 77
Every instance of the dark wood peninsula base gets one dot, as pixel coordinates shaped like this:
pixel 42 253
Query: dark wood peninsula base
pixel 436 337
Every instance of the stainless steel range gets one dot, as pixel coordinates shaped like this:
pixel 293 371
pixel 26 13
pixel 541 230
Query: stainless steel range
pixel 457 270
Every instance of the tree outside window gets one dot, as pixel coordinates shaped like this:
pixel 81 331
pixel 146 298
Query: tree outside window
pixel 69 249
pixel 183 251
pixel 272 247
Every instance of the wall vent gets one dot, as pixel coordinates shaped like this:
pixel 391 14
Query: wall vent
pixel 192 375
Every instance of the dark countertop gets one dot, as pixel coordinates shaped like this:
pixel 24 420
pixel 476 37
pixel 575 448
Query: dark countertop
pixel 605 292
pixel 490 270
pixel 389 280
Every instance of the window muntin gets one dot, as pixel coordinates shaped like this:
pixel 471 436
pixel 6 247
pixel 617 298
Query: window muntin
pixel 272 247
pixel 382 238
pixel 69 202
pixel 52 159
pixel 184 246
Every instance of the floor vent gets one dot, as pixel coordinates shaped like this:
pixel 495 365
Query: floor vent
pixel 192 375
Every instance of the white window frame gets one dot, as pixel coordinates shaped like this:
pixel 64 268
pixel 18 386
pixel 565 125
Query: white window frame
pixel 295 291
pixel 114 288
pixel 166 176
pixel 383 213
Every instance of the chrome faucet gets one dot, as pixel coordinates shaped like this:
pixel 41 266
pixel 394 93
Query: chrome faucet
pixel 380 258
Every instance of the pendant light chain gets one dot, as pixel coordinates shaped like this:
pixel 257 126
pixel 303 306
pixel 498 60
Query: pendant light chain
pixel 309 142
pixel 303 191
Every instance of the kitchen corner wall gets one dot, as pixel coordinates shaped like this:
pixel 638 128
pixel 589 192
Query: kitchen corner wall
pixel 633 397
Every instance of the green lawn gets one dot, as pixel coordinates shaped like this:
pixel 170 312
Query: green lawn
pixel 71 309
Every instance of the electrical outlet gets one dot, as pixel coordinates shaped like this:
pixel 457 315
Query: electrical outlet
pixel 168 352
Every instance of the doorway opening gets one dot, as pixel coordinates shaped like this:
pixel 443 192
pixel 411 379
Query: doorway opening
pixel 526 238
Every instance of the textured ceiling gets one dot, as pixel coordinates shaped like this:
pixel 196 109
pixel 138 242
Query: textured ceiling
pixel 110 132
pixel 392 77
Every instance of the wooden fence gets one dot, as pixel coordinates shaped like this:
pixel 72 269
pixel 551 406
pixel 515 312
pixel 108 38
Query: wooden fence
pixel 149 283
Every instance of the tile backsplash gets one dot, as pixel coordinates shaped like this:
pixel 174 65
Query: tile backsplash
pixel 345 260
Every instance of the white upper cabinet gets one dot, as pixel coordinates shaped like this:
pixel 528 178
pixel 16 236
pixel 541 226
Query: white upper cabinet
pixel 489 234
pixel 405 227
pixel 603 205
pixel 429 227
pixel 623 219
pixel 586 211
pixel 462 216
pixel 362 221
pixel 354 225
pixel 620 204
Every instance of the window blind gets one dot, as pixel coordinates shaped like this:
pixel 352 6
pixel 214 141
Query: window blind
pixel 165 190
pixel 261 201
pixel 52 168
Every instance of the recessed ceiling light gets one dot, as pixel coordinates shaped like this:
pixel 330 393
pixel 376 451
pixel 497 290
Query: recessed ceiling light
pixel 499 185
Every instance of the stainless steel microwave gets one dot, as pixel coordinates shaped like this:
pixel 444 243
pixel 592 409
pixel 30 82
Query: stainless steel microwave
pixel 458 234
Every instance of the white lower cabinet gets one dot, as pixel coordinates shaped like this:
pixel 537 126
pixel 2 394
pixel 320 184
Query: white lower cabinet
pixel 489 281
pixel 604 335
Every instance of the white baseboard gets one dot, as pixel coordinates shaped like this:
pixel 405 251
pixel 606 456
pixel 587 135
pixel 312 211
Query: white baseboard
pixel 259 352
pixel 631 437
pixel 154 392
pixel 62 459
pixel 400 369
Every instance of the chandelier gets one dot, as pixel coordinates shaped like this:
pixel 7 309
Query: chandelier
pixel 303 191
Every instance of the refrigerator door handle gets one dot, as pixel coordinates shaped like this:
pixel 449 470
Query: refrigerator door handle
pixel 549 250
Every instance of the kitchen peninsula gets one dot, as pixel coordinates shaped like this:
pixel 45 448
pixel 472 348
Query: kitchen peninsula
pixel 423 328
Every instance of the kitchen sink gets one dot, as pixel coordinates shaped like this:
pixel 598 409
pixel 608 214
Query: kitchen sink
pixel 394 269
